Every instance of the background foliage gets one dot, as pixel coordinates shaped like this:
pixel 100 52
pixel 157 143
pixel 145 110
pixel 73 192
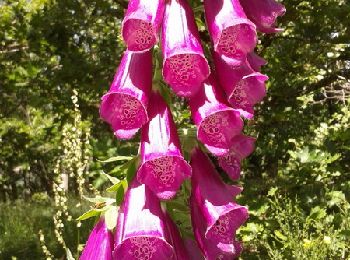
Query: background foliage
pixel 58 57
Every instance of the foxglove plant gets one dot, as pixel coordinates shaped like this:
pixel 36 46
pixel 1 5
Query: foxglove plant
pixel 99 244
pixel 232 34
pixel 163 167
pixel 264 14
pixel 217 101
pixel 243 86
pixel 141 231
pixel 217 123
pixel 242 147
pixel 124 107
pixel 141 24
pixel 215 216
pixel 185 66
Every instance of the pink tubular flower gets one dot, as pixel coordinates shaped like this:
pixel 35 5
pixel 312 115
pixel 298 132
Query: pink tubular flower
pixel 243 86
pixel 163 167
pixel 233 35
pixel 124 107
pixel 242 147
pixel 215 215
pixel 99 244
pixel 255 61
pixel 185 67
pixel 141 231
pixel 264 14
pixel 217 123
pixel 141 23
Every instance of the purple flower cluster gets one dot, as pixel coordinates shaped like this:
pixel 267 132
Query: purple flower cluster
pixel 219 98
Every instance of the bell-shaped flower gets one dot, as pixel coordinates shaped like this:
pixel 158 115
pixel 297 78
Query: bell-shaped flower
pixel 185 66
pixel 217 123
pixel 233 35
pixel 255 61
pixel 264 14
pixel 141 231
pixel 242 147
pixel 211 249
pixel 99 244
pixel 124 106
pixel 214 213
pixel 243 86
pixel 163 167
pixel 141 23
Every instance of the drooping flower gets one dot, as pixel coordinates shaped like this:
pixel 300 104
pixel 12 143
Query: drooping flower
pixel 180 250
pixel 141 232
pixel 217 123
pixel 255 61
pixel 215 216
pixel 124 106
pixel 242 147
pixel 233 35
pixel 163 167
pixel 243 86
pixel 141 23
pixel 185 66
pixel 99 244
pixel 264 14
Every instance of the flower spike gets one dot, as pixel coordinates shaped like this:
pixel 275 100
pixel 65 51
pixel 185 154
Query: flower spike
pixel 163 167
pixel 185 67
pixel 124 106
pixel 141 23
pixel 217 123
pixel 233 35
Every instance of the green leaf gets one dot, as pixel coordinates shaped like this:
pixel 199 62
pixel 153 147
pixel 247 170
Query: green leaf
pixel 116 186
pixel 114 180
pixel 110 217
pixel 90 213
pixel 117 158
pixel 99 199
pixel 280 235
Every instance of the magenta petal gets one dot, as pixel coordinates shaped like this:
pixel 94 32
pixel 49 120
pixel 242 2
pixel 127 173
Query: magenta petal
pixel 185 67
pixel 193 250
pixel 232 33
pixel 99 244
pixel 221 216
pixel 242 147
pixel 141 231
pixel 211 249
pixel 163 167
pixel 141 23
pixel 176 240
pixel 124 106
pixel 243 86
pixel 217 123
pixel 264 14
pixel 255 61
